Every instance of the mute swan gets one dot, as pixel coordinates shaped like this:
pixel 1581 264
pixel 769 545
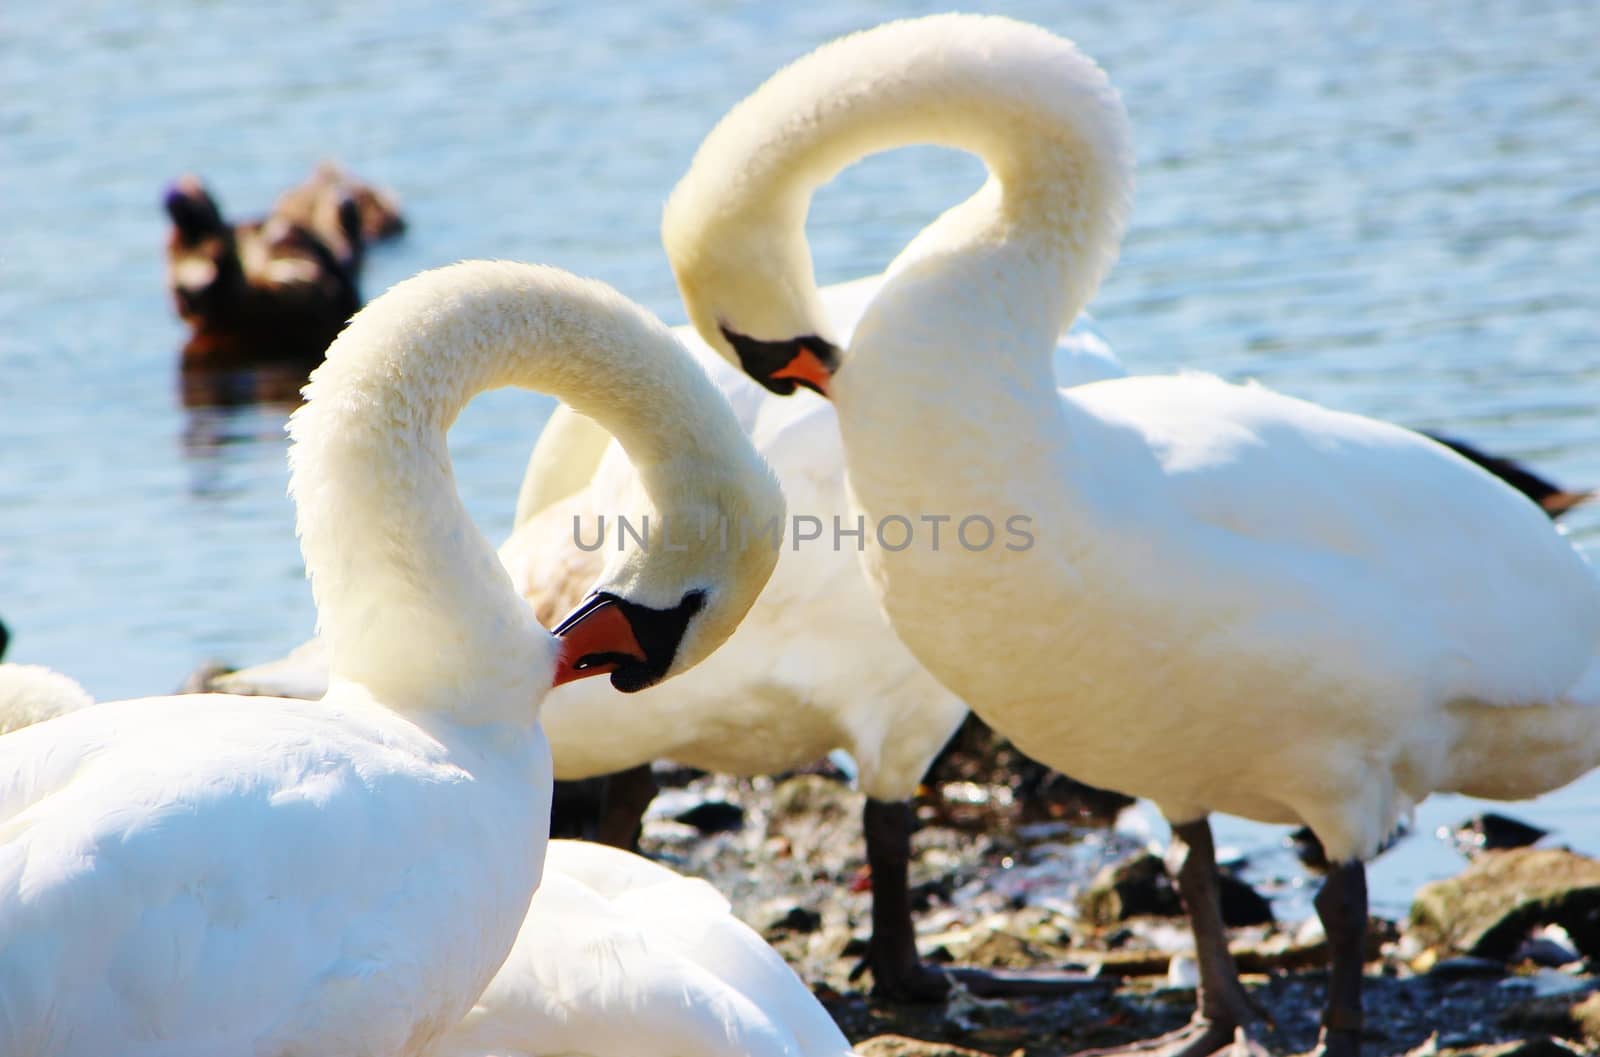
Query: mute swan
pixel 620 957
pixel 224 875
pixel 814 666
pixel 1233 600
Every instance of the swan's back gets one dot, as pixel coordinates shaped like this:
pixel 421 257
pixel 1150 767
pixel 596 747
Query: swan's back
pixel 147 818
pixel 1287 499
pixel 650 964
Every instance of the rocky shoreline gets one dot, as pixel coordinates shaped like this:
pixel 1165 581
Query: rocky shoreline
pixel 1014 867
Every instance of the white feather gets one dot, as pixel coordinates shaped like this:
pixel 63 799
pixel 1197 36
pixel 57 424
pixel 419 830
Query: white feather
pixel 621 957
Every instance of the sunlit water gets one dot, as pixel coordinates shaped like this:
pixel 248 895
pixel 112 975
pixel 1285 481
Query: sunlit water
pixel 1390 208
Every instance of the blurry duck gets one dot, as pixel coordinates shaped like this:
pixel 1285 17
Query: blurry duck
pixel 318 205
pixel 257 293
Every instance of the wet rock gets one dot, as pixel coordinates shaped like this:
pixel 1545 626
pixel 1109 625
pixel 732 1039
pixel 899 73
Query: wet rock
pixel 1489 908
pixel 902 1046
pixel 1466 967
pixel 1141 886
pixel 1492 832
pixel 712 816
pixel 995 949
pixel 1551 1015
pixel 1535 1047
pixel 668 839
pixel 1551 983
pixel 1585 1018
pixel 799 920
pixel 815 798
pixel 1135 888
pixel 1550 946
pixel 1242 905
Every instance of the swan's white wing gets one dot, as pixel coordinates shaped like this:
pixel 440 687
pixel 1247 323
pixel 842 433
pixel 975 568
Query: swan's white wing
pixel 210 876
pixel 1287 509
pixel 686 911
pixel 587 978
pixel 611 871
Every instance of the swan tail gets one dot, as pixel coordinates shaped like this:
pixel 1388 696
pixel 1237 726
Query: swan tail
pixel 1557 503
pixel 1551 497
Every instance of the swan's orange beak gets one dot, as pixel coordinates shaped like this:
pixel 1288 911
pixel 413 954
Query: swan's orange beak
pixel 595 639
pixel 808 369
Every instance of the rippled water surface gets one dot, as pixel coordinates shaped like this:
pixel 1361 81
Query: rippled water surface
pixel 1390 208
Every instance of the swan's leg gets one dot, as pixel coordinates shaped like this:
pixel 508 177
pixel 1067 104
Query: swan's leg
pixel 1222 1006
pixel 1342 906
pixel 897 971
pixel 627 795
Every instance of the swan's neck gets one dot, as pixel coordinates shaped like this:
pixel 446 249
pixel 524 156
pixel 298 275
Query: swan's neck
pixel 955 351
pixel 1037 237
pixel 411 598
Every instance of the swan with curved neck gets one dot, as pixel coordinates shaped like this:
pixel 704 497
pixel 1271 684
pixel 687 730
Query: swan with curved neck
pixel 1233 601
pixel 228 875
pixel 677 431
pixel 1043 118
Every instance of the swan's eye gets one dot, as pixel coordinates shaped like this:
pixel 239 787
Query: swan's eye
pixel 781 366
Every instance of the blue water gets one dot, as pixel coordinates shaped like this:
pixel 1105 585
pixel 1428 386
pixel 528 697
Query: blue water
pixel 1390 208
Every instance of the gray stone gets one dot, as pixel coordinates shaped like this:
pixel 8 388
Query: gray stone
pixel 1488 909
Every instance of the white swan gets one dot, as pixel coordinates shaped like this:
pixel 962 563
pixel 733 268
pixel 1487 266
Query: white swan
pixel 617 956
pixel 1234 601
pixel 814 666
pixel 620 957
pixel 222 875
